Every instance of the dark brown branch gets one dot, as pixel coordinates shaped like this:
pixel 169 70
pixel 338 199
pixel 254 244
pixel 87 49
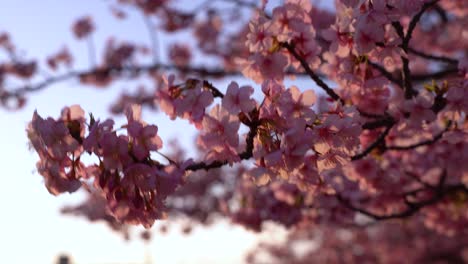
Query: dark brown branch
pixel 311 73
pixel 406 79
pixel 406 82
pixel 129 70
pixel 414 21
pixel 381 122
pixel 406 72
pixel 370 115
pixel 422 143
pixel 419 180
pixel 441 12
pixel 417 78
pixel 413 207
pixel 388 122
pixel 432 57
pixel 115 71
pixel 378 142
pixel 435 75
pixel 385 73
pixel 215 91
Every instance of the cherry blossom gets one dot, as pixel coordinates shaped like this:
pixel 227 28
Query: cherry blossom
pixel 350 130
pixel 238 99
pixel 144 137
pixel 219 135
pixel 83 27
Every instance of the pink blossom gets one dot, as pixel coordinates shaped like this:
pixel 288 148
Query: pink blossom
pixel 23 70
pixel 187 102
pixel 373 96
pixel 238 99
pixel 118 54
pixel 57 181
pixel 295 143
pixel 219 135
pixel 341 43
pixel 61 57
pixel 150 6
pixel 294 103
pixel 170 177
pixel 83 27
pixel 367 34
pixel 260 175
pixel 361 153
pixel 139 176
pixel 338 131
pixel 51 138
pixel 405 7
pixel 419 109
pixel 457 98
pixel 96 134
pixel 180 54
pixel 304 42
pixel 193 102
pixel 260 38
pixel 166 96
pixel 115 152
pixel 207 32
pixel 285 16
pixel 261 67
pixel 463 67
pixel 143 137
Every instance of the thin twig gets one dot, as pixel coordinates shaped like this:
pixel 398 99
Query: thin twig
pixel 378 142
pixel 115 71
pixel 385 73
pixel 311 73
pixel 215 91
pixel 406 72
pixel 422 143
pixel 434 75
pixel 433 57
pixel 419 180
pixel 153 37
pixel 413 207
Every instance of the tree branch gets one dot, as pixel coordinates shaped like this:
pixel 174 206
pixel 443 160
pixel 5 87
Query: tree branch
pixel 433 57
pixel 422 143
pixel 385 73
pixel 435 75
pixel 311 73
pixel 384 121
pixel 378 142
pixel 413 207
pixel 115 71
pixel 406 72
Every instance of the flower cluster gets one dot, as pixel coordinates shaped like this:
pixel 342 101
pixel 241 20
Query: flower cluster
pixel 382 135
pixel 133 185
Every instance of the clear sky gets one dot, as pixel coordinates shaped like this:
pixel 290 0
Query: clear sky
pixel 31 228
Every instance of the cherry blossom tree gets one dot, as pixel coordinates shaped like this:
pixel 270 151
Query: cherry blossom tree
pixel 369 167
